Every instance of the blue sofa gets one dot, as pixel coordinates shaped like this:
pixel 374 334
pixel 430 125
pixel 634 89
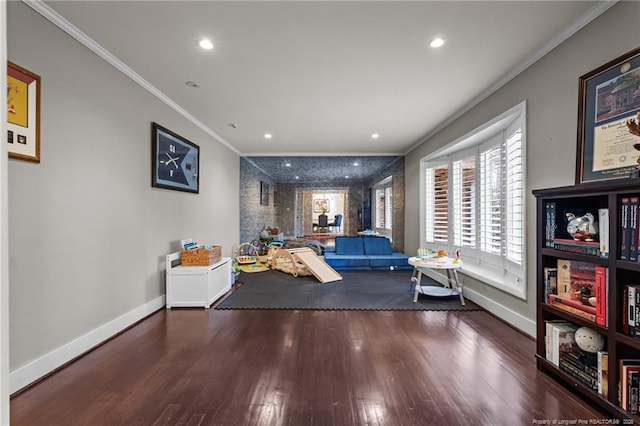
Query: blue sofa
pixel 365 253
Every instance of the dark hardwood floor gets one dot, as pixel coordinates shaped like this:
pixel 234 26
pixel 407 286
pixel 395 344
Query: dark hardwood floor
pixel 207 367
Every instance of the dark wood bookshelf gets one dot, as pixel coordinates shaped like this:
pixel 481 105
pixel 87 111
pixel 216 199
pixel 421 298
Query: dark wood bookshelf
pixel 589 196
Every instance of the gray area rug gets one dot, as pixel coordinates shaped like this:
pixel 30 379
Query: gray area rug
pixel 358 290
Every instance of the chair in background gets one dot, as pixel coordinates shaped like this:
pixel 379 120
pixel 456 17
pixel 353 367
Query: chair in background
pixel 323 223
pixel 337 223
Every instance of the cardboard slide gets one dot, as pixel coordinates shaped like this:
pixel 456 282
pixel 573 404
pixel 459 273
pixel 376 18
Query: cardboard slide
pixel 304 261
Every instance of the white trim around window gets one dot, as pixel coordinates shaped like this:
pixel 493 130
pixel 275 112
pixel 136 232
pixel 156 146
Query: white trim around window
pixel 472 201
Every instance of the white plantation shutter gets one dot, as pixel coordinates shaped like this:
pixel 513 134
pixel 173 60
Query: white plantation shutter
pixel 388 207
pixel 514 195
pixel 474 201
pixel 380 208
pixel 464 202
pixel 437 209
pixel 491 200
pixel 384 204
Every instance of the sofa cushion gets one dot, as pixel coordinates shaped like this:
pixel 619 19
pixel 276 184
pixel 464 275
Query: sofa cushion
pixel 377 246
pixel 349 245
pixel 397 260
pixel 342 262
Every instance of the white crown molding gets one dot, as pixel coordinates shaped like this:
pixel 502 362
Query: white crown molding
pixel 597 10
pixel 56 19
pixel 323 154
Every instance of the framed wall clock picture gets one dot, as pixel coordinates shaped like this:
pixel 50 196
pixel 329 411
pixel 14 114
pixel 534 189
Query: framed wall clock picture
pixel 175 161
pixel 23 113
pixel 608 104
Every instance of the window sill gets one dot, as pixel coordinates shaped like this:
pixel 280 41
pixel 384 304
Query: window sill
pixel 494 280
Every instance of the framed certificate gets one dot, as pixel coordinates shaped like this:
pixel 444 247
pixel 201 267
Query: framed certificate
pixel 609 97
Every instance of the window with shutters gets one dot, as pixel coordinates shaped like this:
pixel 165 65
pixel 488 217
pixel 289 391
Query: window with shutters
pixel 383 207
pixel 473 201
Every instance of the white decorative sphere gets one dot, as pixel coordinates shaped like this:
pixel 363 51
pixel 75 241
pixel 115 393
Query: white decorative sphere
pixel 589 340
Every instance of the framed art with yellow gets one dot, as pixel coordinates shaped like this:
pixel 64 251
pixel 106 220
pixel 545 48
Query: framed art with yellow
pixel 23 113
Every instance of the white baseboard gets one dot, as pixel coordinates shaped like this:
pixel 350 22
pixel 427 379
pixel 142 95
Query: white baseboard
pixel 518 321
pixel 29 373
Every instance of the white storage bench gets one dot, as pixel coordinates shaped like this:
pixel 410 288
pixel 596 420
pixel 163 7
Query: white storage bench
pixel 196 286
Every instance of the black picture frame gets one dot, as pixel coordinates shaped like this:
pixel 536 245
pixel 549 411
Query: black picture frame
pixel 175 161
pixel 264 193
pixel 608 98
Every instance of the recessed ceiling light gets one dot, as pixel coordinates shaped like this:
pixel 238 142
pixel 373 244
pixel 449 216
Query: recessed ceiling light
pixel 375 136
pixel 437 42
pixel 268 135
pixel 346 177
pixel 287 165
pixel 192 84
pixel 205 43
pixel 297 177
pixel 356 164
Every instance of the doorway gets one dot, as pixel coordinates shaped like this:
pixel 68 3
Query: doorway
pixel 311 203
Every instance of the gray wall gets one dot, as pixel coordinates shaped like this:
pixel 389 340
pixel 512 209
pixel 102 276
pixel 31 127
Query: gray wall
pixel 550 87
pixel 88 233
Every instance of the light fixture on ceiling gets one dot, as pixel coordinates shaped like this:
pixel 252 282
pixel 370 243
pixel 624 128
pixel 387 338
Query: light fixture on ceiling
pixel 297 177
pixel 205 43
pixel 268 135
pixel 287 165
pixel 192 84
pixel 437 42
pixel 356 164
pixel 346 177
pixel 234 125
pixel 375 136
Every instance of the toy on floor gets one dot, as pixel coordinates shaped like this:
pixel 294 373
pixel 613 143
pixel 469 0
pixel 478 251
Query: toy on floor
pixel 304 261
pixel 246 256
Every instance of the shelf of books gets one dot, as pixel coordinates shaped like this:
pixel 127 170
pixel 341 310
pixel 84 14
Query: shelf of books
pixel 588 291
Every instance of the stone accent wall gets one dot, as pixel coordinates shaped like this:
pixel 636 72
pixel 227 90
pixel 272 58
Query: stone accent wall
pixel 288 211
pixel 254 216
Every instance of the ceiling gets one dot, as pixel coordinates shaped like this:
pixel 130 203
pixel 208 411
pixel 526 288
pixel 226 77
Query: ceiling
pixel 321 76
pixel 322 169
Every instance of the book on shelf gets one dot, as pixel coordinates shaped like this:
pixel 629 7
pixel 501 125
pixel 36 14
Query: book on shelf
pixel 550 282
pixel 633 228
pixel 626 366
pixel 591 248
pixel 603 229
pixel 575 278
pixel 603 373
pixel 578 373
pixel 573 303
pixel 586 364
pixel 550 224
pixel 625 235
pixel 560 338
pixel 574 311
pixel 548 337
pixel 632 391
pixel 631 310
pixel 601 293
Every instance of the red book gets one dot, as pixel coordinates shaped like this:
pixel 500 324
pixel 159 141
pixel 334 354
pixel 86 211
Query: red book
pixel 574 303
pixel 625 366
pixel 601 295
